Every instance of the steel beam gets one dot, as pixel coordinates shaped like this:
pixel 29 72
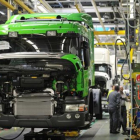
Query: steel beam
pixel 47 6
pixel 110 43
pixel 121 32
pixel 22 5
pixel 98 14
pixel 88 9
pixel 79 6
pixel 97 25
pixel 68 1
pixel 6 4
pixel 80 10
pixel 96 36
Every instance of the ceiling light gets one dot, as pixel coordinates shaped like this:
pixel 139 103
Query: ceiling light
pixel 2 13
pixel 106 16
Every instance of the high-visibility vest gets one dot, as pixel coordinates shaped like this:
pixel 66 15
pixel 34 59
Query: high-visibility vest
pixel 109 93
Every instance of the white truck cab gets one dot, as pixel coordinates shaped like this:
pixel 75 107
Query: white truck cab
pixel 103 73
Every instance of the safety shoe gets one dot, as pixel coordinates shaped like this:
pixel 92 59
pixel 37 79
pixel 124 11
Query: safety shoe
pixel 115 132
pixel 118 129
pixel 124 133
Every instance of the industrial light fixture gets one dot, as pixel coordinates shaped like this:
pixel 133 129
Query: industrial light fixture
pixel 2 13
pixel 106 16
pixel 101 4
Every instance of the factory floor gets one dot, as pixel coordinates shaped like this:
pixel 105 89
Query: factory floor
pixel 99 131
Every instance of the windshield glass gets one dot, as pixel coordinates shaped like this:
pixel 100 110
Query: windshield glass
pixel 101 68
pixel 61 44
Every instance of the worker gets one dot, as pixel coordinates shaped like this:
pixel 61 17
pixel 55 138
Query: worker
pixel 113 87
pixel 113 107
pixel 123 114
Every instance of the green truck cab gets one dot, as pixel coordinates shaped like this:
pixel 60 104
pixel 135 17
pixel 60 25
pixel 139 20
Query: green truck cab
pixel 47 72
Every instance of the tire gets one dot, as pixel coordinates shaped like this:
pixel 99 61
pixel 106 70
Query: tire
pixel 89 102
pixel 99 116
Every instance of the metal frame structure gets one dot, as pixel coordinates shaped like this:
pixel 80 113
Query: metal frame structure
pixel 93 7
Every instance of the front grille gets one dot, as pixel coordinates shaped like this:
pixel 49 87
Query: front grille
pixel 33 105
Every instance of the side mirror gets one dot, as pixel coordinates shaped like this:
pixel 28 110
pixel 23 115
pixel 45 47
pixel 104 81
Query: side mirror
pixel 86 51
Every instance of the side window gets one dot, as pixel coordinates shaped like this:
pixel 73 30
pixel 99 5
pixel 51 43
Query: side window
pixel 85 53
pixel 71 45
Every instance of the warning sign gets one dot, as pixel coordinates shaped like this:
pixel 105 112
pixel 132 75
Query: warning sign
pixel 138 78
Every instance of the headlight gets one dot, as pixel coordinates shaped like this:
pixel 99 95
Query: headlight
pixel 75 107
pixel 13 34
pixel 77 116
pixel 72 107
pixel 68 116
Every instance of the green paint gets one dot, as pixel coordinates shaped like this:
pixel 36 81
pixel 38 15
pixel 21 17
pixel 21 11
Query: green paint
pixel 73 17
pixel 65 87
pixel 72 23
pixel 54 85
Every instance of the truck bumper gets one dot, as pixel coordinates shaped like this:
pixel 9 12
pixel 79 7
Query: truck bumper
pixel 105 109
pixel 104 104
pixel 56 121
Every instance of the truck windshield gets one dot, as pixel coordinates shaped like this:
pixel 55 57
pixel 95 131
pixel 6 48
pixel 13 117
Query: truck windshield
pixel 101 68
pixel 60 44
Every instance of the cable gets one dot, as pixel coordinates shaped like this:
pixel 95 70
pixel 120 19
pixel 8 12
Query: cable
pixel 123 66
pixel 126 18
pixel 115 58
pixel 127 54
pixel 116 53
pixel 15 137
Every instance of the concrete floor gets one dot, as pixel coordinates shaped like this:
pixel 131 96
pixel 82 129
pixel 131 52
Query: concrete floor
pixel 98 131
pixel 103 133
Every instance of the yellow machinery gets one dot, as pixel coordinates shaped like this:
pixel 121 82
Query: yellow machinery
pixel 134 115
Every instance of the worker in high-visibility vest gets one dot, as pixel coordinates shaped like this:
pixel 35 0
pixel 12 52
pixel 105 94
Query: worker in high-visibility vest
pixel 113 87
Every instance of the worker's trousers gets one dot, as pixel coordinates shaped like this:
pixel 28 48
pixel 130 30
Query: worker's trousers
pixel 113 119
pixel 123 118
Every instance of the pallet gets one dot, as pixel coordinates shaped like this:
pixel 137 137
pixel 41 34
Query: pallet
pixel 44 136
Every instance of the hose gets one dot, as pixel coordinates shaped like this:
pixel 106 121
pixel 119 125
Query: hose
pixel 116 54
pixel 123 66
pixel 15 137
